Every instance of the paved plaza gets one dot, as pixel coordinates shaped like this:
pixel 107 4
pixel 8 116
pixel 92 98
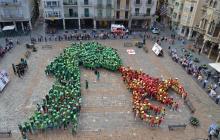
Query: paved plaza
pixel 107 105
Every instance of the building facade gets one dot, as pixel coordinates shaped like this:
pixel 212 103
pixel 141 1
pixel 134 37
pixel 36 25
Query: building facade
pixel 142 12
pixel 190 18
pixel 21 13
pixel 83 14
pixel 122 12
pixel 209 29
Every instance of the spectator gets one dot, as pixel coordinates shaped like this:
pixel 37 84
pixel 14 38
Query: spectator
pixel 205 83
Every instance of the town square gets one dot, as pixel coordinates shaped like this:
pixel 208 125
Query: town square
pixel 115 80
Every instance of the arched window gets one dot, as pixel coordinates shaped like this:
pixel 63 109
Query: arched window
pixel 215 4
pixel 210 3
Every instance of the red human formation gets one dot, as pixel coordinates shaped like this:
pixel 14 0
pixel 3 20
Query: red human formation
pixel 143 87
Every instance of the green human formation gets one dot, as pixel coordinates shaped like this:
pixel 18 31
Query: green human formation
pixel 61 106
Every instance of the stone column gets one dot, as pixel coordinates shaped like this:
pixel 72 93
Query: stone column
pixel 79 24
pixel 217 59
pixel 190 34
pixel 210 51
pixel 203 45
pixel 30 25
pixel 22 26
pixel 64 25
pixel 94 24
pixel 16 29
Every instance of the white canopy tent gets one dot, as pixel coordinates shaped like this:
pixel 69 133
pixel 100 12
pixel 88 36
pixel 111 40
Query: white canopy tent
pixel 7 28
pixel 216 66
pixel 156 49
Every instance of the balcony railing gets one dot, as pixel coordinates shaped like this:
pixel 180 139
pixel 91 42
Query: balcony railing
pixel 198 29
pixel 69 15
pixel 70 3
pixel 211 38
pixel 12 17
pixel 5 4
pixel 87 15
pixel 51 6
pixel 140 15
pixel 86 4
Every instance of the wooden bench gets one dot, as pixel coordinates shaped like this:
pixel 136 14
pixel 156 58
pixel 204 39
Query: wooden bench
pixel 190 105
pixel 172 127
pixel 128 44
pixel 8 133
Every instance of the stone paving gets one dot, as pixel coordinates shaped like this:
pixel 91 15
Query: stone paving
pixel 106 105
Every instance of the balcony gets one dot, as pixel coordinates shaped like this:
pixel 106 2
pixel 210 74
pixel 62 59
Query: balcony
pixel 12 17
pixel 140 15
pixel 51 6
pixel 86 4
pixel 125 8
pixel 199 30
pixel 74 15
pixel 109 6
pixel 10 4
pixel 211 38
pixel 87 15
pixel 74 3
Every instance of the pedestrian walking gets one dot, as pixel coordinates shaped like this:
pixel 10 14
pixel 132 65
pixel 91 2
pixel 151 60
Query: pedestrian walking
pixel 217 99
pixel 98 75
pixel 205 83
pixel 87 84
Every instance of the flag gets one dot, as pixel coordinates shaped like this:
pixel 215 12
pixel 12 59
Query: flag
pixel 163 10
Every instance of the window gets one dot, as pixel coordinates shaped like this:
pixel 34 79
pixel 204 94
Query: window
pixel 86 2
pixel 126 14
pixel 191 9
pixel 118 14
pixel 138 2
pixel 108 13
pixel 215 4
pixel 71 12
pixel 86 12
pixel 127 4
pixel 109 1
pixel 136 11
pixel 118 4
pixel 99 13
pixel 149 2
pixel 211 28
pixel 99 1
pixel 210 3
pixel 177 4
pixel 148 11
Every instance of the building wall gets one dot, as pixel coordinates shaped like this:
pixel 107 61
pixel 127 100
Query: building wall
pixel 50 11
pixel 22 10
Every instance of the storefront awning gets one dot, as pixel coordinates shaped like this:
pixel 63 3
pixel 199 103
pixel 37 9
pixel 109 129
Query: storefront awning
pixel 7 28
pixel 216 66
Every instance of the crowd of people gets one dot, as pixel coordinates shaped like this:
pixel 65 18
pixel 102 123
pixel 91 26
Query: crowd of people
pixel 201 73
pixel 9 44
pixel 78 36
